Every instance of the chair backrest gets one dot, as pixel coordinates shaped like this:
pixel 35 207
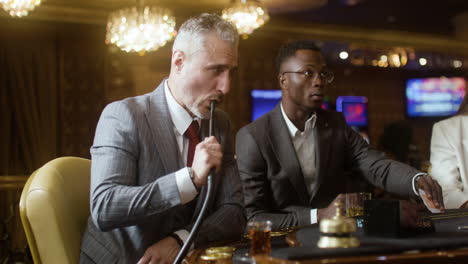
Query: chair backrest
pixel 54 208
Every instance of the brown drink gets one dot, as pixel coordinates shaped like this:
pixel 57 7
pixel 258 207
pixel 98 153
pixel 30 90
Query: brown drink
pixel 355 203
pixel 355 211
pixel 260 236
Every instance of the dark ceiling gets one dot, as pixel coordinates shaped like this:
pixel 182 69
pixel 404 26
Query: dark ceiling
pixel 425 16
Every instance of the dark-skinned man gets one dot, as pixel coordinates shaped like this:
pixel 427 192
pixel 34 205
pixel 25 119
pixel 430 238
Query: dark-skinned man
pixel 293 161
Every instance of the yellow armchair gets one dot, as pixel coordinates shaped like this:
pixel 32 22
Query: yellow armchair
pixel 54 208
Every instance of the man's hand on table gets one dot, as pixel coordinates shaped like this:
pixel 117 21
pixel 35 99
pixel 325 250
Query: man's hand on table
pixel 164 251
pixel 431 193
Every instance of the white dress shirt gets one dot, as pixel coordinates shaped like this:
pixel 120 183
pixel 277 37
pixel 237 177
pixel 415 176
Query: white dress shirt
pixel 181 120
pixel 304 144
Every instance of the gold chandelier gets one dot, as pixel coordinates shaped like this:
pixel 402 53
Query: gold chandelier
pixel 141 28
pixel 247 15
pixel 19 8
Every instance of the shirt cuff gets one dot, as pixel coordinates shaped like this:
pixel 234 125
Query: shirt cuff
pixel 183 234
pixel 313 216
pixel 414 182
pixel 187 190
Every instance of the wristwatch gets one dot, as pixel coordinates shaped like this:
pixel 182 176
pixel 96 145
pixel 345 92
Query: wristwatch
pixel 190 170
pixel 177 238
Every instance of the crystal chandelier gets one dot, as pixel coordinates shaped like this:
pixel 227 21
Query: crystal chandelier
pixel 140 29
pixel 19 8
pixel 247 15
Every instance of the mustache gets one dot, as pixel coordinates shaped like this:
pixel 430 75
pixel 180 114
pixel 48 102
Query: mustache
pixel 218 98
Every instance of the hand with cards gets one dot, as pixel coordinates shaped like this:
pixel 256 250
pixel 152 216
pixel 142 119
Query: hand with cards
pixel 431 193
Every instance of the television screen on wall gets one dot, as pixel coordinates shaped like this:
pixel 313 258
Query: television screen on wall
pixel 434 97
pixel 264 101
pixel 354 109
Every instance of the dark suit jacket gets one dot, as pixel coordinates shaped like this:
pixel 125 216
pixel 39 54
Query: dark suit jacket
pixel 271 175
pixel 135 201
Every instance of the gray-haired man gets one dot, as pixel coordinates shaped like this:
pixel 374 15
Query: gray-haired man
pixel 146 172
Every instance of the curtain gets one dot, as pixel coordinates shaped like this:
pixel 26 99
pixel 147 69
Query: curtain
pixel 29 103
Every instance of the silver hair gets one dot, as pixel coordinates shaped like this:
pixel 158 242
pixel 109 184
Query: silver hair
pixel 192 33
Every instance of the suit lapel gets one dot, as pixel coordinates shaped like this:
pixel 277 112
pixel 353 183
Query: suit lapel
pixel 286 154
pixel 162 129
pixel 323 139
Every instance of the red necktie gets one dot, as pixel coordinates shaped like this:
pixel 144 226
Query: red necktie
pixel 192 134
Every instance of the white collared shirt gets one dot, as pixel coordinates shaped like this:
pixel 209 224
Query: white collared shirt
pixel 181 120
pixel 304 144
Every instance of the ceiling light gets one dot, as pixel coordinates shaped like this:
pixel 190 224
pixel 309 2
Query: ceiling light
pixel 344 55
pixel 398 57
pixel 19 8
pixel 395 60
pixel 457 64
pixel 422 61
pixel 247 15
pixel 140 28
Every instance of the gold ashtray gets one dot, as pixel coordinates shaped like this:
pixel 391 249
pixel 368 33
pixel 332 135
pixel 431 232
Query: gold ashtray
pixel 272 234
pixel 216 258
pixel 214 250
pixel 278 233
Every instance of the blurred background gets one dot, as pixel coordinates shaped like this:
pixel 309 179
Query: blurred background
pixel 399 67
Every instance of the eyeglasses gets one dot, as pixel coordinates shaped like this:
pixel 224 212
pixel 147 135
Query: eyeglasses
pixel 312 74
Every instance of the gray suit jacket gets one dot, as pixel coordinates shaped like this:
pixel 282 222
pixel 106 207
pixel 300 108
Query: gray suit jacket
pixel 271 175
pixel 134 197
